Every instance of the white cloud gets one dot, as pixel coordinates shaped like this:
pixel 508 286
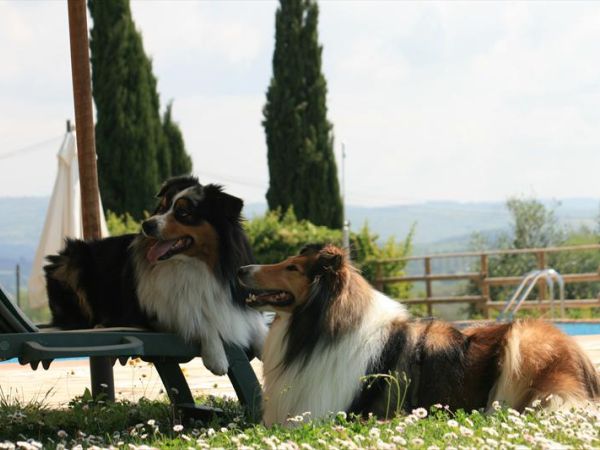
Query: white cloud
pixel 449 100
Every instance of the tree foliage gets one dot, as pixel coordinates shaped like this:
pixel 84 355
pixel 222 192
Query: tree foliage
pixel 302 167
pixel 534 225
pixel 133 150
pixel 179 162
pixel 276 236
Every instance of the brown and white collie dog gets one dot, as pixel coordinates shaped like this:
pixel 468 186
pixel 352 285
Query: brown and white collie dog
pixel 333 334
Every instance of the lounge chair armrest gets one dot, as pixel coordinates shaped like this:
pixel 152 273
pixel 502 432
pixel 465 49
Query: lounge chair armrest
pixel 34 351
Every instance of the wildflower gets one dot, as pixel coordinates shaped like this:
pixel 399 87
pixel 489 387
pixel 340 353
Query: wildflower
pixel 421 413
pixel 398 440
pixel 374 433
pixel 342 415
pixel 490 431
pixel 177 428
pixel 449 436
pixel 411 419
pixel 417 441
pixel 516 420
pixel 295 419
pixel 491 442
pixel 465 431
pixel 452 423
pixel 496 405
pixel 433 447
pixel 151 422
pixel 62 434
pixel 210 432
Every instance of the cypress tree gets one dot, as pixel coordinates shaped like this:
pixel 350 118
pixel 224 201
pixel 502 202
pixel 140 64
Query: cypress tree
pixel 180 162
pixel 133 152
pixel 302 167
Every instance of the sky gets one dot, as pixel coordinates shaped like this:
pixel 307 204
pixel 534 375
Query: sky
pixel 474 101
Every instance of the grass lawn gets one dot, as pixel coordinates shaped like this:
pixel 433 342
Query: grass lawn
pixel 152 424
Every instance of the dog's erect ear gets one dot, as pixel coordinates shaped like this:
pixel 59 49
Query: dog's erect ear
pixel 232 206
pixel 229 205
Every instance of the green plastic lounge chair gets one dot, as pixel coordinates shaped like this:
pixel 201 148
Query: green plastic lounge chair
pixel 20 338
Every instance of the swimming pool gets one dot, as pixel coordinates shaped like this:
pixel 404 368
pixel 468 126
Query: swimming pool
pixel 579 328
pixel 570 327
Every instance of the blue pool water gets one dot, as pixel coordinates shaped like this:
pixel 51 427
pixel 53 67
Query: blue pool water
pixel 579 328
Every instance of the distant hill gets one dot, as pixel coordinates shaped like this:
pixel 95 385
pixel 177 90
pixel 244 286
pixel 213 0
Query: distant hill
pixel 440 226
pixel 448 226
pixel 21 222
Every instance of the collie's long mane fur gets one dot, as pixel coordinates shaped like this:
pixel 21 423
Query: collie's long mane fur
pixel 336 300
pixel 323 344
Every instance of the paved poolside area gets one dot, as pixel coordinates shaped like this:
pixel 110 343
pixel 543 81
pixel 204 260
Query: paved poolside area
pixel 68 378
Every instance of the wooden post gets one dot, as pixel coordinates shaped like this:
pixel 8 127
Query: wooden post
pixel 378 276
pixel 428 287
pixel 100 367
pixel 484 286
pixel 541 260
pixel 18 286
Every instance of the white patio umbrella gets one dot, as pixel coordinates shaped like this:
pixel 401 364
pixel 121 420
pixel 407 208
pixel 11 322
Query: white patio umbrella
pixel 63 218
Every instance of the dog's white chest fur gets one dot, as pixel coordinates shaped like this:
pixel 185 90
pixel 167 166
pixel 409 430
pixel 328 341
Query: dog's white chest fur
pixel 331 378
pixel 186 298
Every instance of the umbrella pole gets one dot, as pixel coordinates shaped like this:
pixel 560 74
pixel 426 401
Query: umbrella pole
pixel 102 379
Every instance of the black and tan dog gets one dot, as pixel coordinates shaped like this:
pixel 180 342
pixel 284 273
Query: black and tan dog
pixel 178 275
pixel 336 342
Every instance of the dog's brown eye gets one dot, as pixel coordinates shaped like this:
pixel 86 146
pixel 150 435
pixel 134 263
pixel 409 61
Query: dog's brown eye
pixel 180 212
pixel 291 268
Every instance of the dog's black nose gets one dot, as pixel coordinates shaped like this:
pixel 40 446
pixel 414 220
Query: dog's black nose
pixel 149 227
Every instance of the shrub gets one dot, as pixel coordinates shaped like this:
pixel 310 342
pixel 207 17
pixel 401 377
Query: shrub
pixel 119 224
pixel 275 236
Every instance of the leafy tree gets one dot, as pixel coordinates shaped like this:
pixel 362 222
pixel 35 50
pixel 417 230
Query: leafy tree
pixel 302 167
pixel 275 236
pixel 133 150
pixel 122 224
pixel 179 162
pixel 533 225
pixel 598 224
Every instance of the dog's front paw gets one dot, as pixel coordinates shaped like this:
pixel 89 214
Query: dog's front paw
pixel 216 362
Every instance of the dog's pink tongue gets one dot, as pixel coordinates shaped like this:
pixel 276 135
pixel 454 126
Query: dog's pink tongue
pixel 159 249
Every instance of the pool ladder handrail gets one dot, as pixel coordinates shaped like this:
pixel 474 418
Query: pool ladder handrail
pixel 527 284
